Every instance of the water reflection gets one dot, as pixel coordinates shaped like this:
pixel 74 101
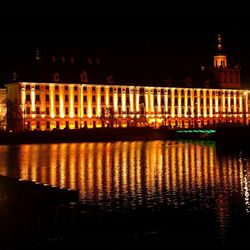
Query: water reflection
pixel 131 174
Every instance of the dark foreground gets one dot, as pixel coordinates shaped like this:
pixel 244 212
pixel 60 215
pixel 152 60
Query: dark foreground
pixel 41 218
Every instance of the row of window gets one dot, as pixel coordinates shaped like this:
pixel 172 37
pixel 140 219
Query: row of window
pixel 143 90
pixel 169 111
pixel 141 100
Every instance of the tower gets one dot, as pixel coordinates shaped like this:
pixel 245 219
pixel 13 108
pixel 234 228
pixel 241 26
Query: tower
pixel 220 60
pixel 227 77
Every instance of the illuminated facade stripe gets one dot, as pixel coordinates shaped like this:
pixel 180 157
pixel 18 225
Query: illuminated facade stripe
pixel 83 105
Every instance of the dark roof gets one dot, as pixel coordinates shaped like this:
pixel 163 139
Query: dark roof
pixel 69 67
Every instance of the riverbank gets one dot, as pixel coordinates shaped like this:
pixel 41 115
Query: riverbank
pixel 87 135
pixel 31 212
pixel 227 136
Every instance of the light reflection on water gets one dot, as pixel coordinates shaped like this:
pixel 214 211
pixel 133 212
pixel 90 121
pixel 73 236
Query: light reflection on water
pixel 123 175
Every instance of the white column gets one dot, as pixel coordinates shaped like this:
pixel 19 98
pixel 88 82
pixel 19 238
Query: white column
pixel 124 99
pixel 89 102
pixel 115 99
pixel 179 103
pixel 211 103
pixel 229 102
pixel 33 100
pixel 205 103
pixel 98 101
pixel 198 103
pixel 107 96
pixel 146 99
pixel 131 100
pixel 192 102
pixel 71 100
pixel 81 102
pixel 52 100
pixel 61 101
pixel 173 103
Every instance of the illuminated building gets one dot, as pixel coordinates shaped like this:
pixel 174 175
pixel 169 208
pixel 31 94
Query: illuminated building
pixel 82 104
pixel 61 105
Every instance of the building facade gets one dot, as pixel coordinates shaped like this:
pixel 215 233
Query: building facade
pixel 46 106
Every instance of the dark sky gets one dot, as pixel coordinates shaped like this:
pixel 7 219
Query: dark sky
pixel 141 36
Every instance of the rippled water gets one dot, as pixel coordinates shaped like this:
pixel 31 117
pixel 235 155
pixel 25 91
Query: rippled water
pixel 130 175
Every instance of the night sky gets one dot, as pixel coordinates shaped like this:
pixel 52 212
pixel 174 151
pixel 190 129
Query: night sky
pixel 145 40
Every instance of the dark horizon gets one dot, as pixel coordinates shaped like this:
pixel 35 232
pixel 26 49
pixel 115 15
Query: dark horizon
pixel 148 41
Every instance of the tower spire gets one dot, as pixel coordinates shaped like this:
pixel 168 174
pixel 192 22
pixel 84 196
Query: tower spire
pixel 219 46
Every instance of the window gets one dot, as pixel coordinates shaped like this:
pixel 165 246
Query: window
pixel 93 111
pixel 84 88
pixel 28 98
pixel 37 110
pixel 47 87
pixel 93 89
pixel 37 98
pixel 75 87
pixel 85 110
pixel 47 98
pixel 57 98
pixel 28 110
pixel 75 98
pixel 102 89
pixel 84 98
pixel 47 111
pixel 66 87
pixel 37 87
pixel 93 98
pixel 66 98
pixel 57 87
pixel 66 111
pixel 47 124
pixel 102 99
pixel 76 111
pixel 119 100
pixel 27 87
pixel 111 99
pixel 57 111
pixel 76 124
